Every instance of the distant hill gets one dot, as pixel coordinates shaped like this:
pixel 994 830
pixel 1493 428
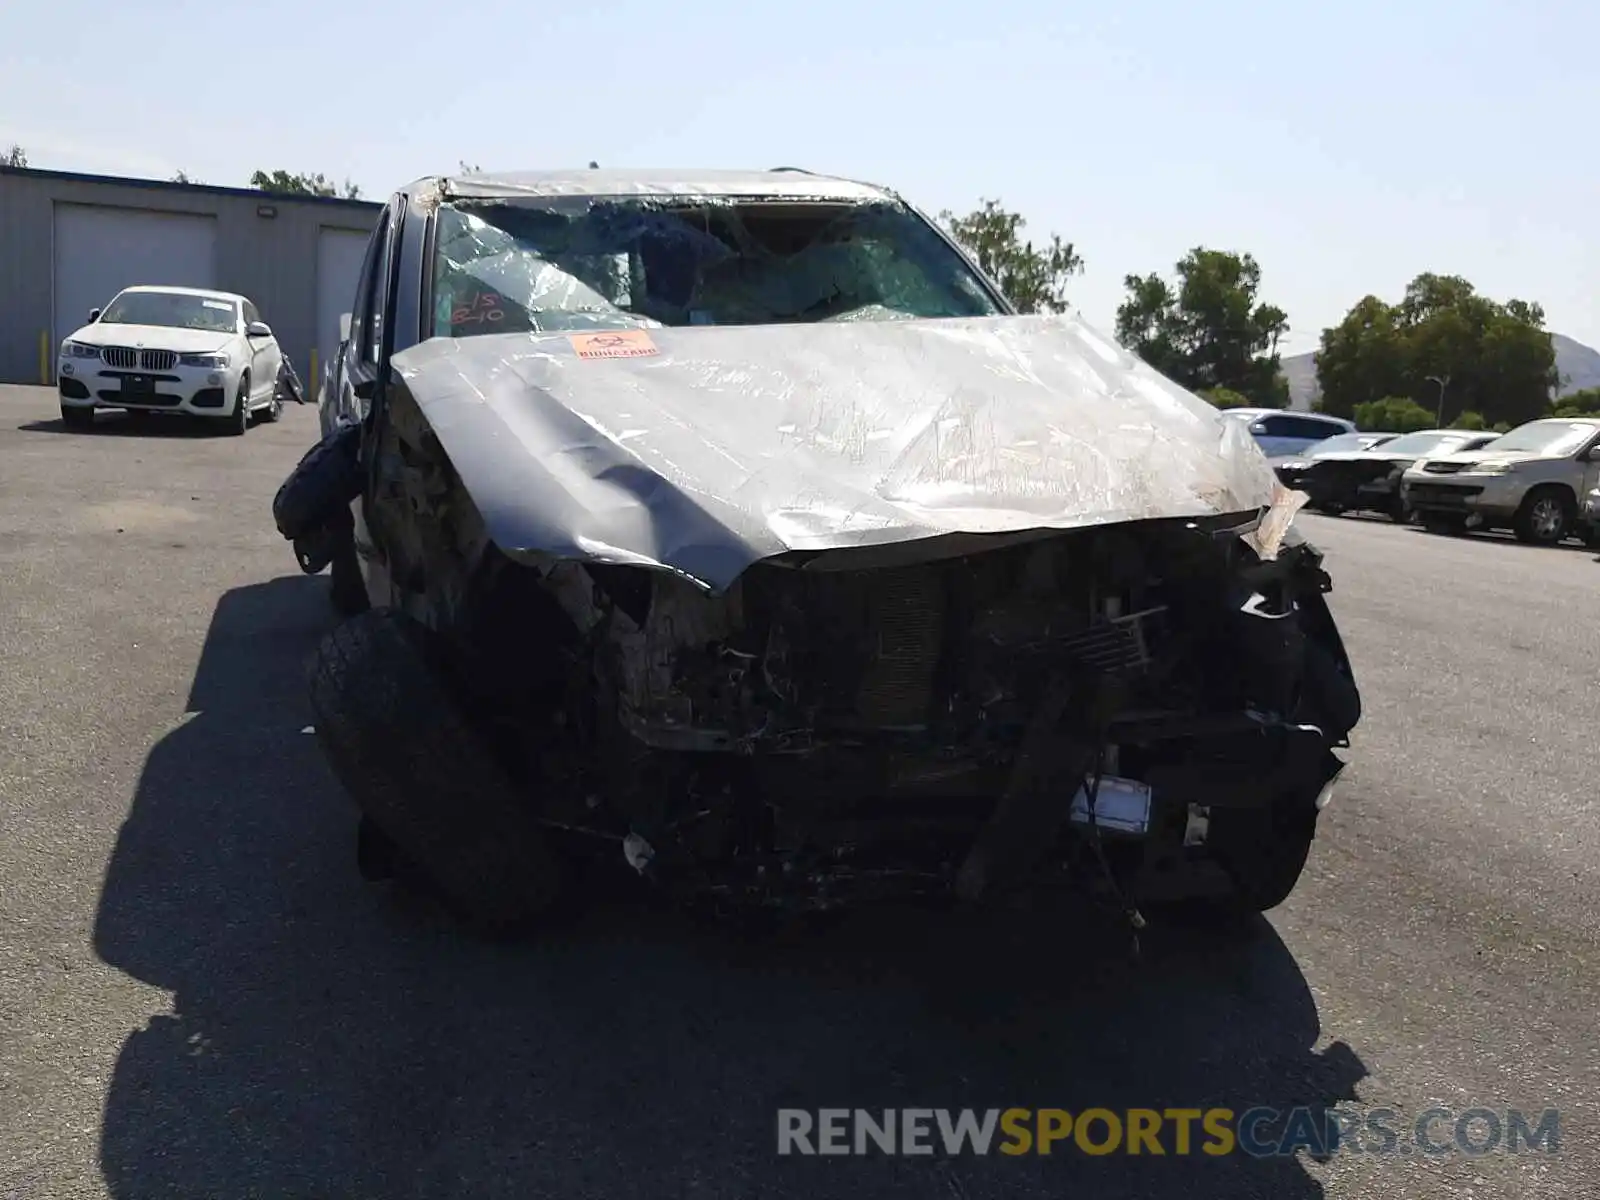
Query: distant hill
pixel 1579 366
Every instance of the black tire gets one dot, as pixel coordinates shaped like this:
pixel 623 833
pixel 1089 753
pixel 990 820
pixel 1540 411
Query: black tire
pixel 1544 517
pixel 239 420
pixel 327 478
pixel 1399 513
pixel 1444 524
pixel 77 418
pixel 348 587
pixel 406 752
pixel 273 411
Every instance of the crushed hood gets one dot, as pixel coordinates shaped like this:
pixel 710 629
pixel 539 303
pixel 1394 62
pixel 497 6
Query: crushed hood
pixel 702 450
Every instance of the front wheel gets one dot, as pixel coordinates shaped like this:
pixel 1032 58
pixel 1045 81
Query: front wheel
pixel 402 744
pixel 1543 518
pixel 74 417
pixel 239 419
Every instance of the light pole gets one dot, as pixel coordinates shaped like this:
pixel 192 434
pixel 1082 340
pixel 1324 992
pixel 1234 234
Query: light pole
pixel 1443 381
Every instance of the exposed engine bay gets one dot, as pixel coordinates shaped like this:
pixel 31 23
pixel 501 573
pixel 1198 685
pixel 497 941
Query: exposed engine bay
pixel 832 728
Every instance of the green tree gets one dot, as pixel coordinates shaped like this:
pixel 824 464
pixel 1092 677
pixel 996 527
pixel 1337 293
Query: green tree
pixel 14 157
pixel 1210 331
pixel 1033 278
pixel 287 183
pixel 1226 398
pixel 1585 403
pixel 1443 346
pixel 1393 414
pixel 1470 420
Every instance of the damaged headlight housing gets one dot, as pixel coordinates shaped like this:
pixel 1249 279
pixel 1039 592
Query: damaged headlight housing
pixel 212 362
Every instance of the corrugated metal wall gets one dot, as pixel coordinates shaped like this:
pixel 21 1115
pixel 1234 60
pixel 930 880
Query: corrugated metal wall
pixel 272 260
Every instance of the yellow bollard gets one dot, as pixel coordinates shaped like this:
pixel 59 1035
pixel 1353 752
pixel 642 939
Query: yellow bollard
pixel 44 358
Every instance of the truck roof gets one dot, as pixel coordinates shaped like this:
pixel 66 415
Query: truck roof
pixel 779 183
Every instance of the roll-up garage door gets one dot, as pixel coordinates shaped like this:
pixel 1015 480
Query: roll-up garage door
pixel 99 251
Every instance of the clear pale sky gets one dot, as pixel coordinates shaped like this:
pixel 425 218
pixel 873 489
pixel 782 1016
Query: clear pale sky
pixel 1347 145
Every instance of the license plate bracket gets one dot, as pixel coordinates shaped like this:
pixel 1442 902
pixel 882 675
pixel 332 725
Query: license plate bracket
pixel 138 385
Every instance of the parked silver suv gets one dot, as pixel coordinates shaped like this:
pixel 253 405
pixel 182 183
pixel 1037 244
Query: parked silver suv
pixel 1530 481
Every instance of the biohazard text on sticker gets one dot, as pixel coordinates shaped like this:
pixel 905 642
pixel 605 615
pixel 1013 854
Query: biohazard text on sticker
pixel 626 343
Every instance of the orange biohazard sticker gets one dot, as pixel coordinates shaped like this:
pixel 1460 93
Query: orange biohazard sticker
pixel 627 343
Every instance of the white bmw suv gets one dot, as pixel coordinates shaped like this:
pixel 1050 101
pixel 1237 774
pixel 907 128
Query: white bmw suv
pixel 172 349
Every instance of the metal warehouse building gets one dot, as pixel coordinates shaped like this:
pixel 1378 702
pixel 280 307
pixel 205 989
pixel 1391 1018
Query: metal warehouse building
pixel 68 243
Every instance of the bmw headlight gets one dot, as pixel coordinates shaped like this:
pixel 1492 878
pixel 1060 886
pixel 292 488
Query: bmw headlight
pixel 212 362
pixel 79 350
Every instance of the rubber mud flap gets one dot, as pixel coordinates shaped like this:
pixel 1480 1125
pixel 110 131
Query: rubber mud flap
pixel 326 478
pixel 400 742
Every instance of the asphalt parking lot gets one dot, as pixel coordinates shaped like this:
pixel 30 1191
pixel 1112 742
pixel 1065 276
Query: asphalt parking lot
pixel 199 997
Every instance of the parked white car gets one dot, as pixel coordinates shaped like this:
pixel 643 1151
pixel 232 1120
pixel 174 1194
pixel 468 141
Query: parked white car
pixel 1278 432
pixel 172 349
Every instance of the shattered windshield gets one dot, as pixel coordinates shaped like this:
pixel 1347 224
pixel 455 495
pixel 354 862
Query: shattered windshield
pixel 627 262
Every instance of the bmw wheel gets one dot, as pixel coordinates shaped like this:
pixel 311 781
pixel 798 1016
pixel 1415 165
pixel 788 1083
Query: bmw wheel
pixel 239 419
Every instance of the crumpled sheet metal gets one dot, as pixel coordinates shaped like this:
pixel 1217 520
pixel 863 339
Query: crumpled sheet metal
pixel 718 446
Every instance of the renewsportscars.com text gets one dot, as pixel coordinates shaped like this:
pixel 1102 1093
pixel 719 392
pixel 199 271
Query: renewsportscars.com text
pixel 1259 1132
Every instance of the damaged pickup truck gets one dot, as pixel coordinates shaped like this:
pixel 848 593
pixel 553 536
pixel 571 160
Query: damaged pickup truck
pixel 733 527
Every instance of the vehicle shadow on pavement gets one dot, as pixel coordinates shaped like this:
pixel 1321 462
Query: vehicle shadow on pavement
pixel 114 424
pixel 328 1040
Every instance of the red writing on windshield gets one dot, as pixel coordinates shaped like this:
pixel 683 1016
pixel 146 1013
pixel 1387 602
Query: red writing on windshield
pixel 484 308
